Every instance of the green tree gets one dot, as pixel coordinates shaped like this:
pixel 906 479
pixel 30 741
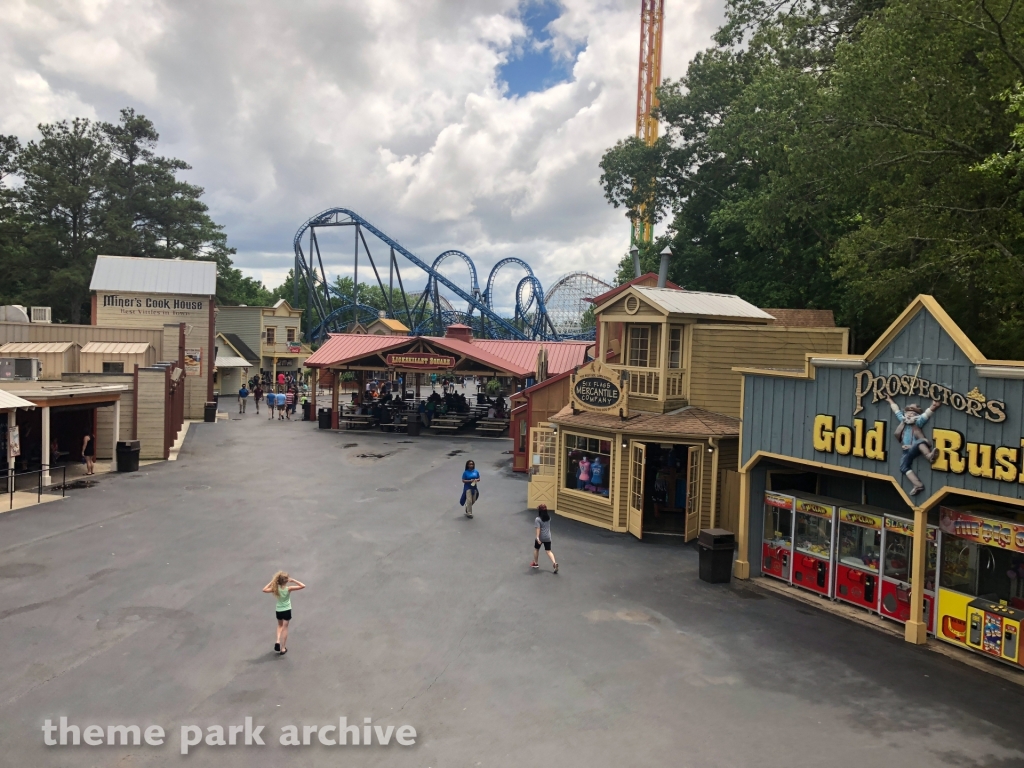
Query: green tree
pixel 62 197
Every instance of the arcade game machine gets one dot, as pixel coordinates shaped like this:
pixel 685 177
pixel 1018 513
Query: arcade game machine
pixel 860 547
pixel 777 540
pixel 814 542
pixel 981 580
pixel 898 549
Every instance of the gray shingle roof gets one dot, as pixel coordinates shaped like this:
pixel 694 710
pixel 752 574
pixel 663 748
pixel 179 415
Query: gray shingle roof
pixel 144 275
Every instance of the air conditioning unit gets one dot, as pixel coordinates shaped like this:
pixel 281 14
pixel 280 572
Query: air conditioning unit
pixel 20 369
pixel 42 315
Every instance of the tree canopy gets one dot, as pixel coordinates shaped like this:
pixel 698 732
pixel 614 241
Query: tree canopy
pixel 849 157
pixel 85 188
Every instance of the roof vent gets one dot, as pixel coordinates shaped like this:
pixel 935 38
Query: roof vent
pixel 42 315
pixel 632 305
pixel 459 331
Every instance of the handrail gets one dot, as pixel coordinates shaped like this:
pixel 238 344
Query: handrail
pixel 12 482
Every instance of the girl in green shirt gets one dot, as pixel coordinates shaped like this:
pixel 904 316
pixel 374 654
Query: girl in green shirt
pixel 282 587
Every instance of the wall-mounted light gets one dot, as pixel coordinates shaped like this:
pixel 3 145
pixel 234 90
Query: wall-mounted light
pixel 711 450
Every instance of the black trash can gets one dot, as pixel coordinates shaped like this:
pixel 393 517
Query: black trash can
pixel 307 409
pixel 413 424
pixel 210 412
pixel 324 418
pixel 128 455
pixel 716 548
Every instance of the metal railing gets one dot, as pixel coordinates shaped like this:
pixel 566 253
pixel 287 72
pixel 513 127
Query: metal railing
pixel 12 483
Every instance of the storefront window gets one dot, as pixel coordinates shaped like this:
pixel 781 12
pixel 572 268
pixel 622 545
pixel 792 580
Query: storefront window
pixel 859 546
pixel 587 462
pixel 813 535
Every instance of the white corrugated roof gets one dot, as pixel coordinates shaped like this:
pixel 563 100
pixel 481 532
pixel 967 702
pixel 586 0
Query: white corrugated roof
pixel 9 401
pixel 34 347
pixel 231 361
pixel 116 348
pixel 143 275
pixel 702 304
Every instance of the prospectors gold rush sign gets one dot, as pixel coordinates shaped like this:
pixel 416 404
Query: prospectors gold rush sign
pixel 597 388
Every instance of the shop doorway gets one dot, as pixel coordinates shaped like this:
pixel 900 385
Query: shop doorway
pixel 664 489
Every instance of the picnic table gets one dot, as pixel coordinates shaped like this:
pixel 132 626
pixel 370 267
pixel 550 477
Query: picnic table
pixel 358 421
pixel 494 427
pixel 450 422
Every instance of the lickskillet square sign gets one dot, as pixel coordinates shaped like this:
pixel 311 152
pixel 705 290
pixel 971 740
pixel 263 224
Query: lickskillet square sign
pixel 926 408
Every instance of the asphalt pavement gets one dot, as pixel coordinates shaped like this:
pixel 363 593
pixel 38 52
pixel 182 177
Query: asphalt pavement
pixel 138 602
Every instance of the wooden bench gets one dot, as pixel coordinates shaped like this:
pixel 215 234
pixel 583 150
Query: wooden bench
pixel 357 421
pixel 449 423
pixel 494 427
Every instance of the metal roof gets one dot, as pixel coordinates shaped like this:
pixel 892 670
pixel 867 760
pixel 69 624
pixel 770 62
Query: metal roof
pixel 702 304
pixel 478 353
pixel 116 348
pixel 145 275
pixel 562 355
pixel 234 341
pixel 394 325
pixel 689 421
pixel 345 347
pixel 35 347
pixel 9 401
pixel 649 279
pixel 231 361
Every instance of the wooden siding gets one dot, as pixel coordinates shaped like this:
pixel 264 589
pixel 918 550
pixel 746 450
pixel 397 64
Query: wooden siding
pixel 728 459
pixel 152 402
pixel 717 349
pixel 165 321
pixel 92 362
pixel 244 322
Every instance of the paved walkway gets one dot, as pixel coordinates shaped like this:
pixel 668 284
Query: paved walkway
pixel 138 601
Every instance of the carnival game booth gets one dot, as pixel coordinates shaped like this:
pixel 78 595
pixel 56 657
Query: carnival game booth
pixel 917 446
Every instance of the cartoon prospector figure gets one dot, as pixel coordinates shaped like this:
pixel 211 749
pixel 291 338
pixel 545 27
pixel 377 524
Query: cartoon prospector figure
pixel 913 439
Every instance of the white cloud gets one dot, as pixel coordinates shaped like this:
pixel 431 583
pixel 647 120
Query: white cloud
pixel 392 108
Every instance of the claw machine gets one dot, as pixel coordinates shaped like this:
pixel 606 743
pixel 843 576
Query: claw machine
pixel 898 549
pixel 814 542
pixel 777 540
pixel 981 580
pixel 859 556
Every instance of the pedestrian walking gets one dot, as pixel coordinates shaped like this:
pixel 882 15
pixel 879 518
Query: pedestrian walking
pixel 243 397
pixel 257 395
pixel 542 537
pixel 271 404
pixel 281 405
pixel 470 492
pixel 289 404
pixel 89 453
pixel 280 382
pixel 282 586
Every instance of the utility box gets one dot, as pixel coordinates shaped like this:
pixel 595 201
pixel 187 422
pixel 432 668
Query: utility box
pixel 716 548
pixel 20 369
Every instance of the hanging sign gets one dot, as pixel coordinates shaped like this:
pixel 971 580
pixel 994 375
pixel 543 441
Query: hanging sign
pixel 420 360
pixel 991 533
pixel 596 387
pixel 294 348
pixel 862 519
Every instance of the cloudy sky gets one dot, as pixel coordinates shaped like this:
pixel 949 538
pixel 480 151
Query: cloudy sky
pixel 469 124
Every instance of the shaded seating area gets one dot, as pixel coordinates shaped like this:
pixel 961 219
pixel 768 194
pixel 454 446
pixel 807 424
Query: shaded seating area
pixel 492 427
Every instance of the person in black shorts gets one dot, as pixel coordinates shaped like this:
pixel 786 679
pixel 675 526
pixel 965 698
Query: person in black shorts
pixel 542 537
pixel 89 453
pixel 282 586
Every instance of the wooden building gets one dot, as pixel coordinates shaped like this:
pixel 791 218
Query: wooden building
pixel 163 294
pixel 116 356
pixel 650 440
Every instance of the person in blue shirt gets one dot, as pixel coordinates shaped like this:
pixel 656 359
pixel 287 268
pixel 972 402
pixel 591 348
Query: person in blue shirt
pixel 271 403
pixel 470 479
pixel 912 438
pixel 243 397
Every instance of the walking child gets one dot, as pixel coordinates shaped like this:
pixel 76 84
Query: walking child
pixel 282 586
pixel 542 537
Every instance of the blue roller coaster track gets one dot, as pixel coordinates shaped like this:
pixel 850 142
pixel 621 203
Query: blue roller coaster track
pixel 429 313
